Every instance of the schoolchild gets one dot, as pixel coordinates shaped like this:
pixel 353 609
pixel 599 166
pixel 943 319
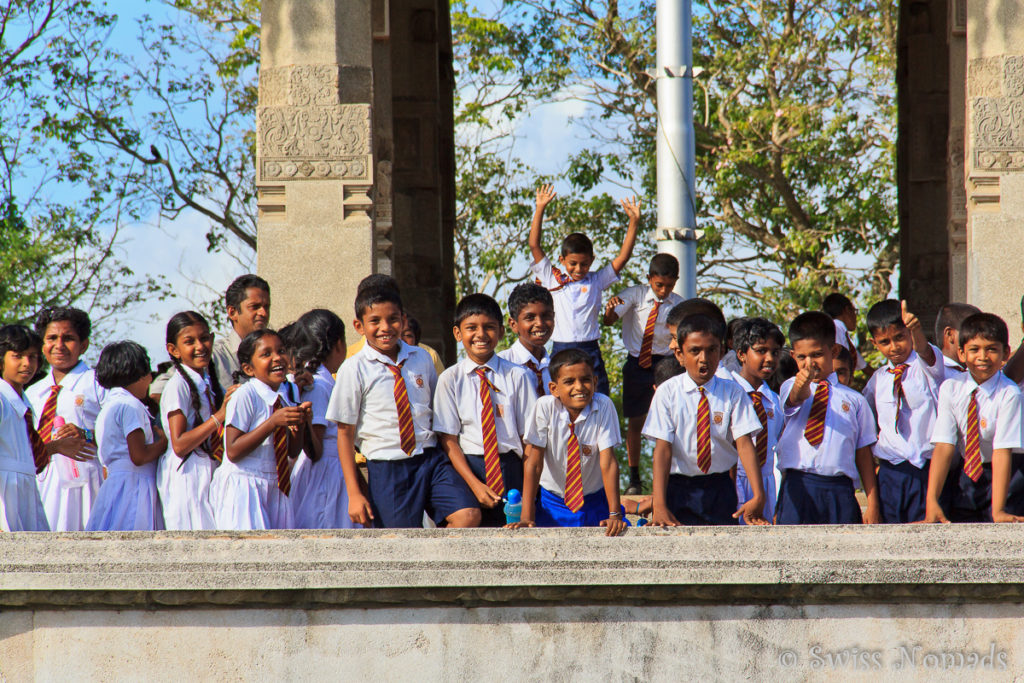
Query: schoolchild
pixel 531 317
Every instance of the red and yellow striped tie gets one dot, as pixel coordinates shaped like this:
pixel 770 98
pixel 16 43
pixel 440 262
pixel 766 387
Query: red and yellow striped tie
pixel 216 445
pixel 48 415
pixel 281 455
pixel 573 473
pixel 648 342
pixel 898 395
pixel 492 463
pixel 761 443
pixel 703 432
pixel 814 431
pixel 540 376
pixel 972 440
pixel 39 454
pixel 406 429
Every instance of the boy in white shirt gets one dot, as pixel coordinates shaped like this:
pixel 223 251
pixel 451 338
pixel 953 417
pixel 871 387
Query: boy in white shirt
pixel 531 317
pixel 947 334
pixel 844 315
pixel 575 289
pixel 904 395
pixel 481 407
pixel 644 311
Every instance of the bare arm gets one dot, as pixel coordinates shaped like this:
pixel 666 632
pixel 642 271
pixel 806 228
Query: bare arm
pixel 632 209
pixel 141 452
pixel 1001 472
pixel 610 316
pixel 1014 368
pixel 921 345
pixel 533 465
pixel 358 506
pixel 866 468
pixel 662 458
pixel 942 457
pixel 183 440
pixel 614 524
pixel 753 510
pixel 545 193
pixel 238 444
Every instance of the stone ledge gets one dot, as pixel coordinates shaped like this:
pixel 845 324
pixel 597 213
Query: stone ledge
pixel 704 565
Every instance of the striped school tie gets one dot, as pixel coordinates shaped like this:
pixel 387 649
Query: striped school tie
pixel 761 444
pixel 898 396
pixel 540 376
pixel 39 455
pixel 814 431
pixel 972 440
pixel 492 464
pixel 48 415
pixel 215 445
pixel 648 342
pixel 406 429
pixel 573 474
pixel 703 432
pixel 281 454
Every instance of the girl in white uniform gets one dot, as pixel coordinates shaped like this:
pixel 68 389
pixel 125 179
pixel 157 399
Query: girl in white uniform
pixel 250 488
pixel 193 422
pixel 129 444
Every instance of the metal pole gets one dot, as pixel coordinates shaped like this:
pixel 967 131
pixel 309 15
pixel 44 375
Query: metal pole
pixel 677 222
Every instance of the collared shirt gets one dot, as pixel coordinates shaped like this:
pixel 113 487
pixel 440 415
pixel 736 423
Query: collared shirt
pixel 953 367
pixel 634 310
pixel 78 401
pixel 225 357
pixel 673 418
pixel 251 405
pixel 849 425
pixel 520 355
pixel 731 363
pixel 357 346
pixel 121 415
pixel 773 409
pixel 845 339
pixel 319 394
pixel 577 303
pixel 913 442
pixel 457 404
pixel 597 428
pixel 999 413
pixel 177 396
pixel 364 396
pixel 15 448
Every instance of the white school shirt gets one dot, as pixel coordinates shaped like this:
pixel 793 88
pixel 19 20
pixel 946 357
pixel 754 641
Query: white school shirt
pixel 844 339
pixel 577 303
pixel 773 409
pixel 225 356
pixel 15 448
pixel 364 396
pixel 457 404
pixel 637 302
pixel 251 405
pixel 849 425
pixel 319 394
pixel 953 368
pixel 176 396
pixel 921 384
pixel 673 418
pixel 999 413
pixel 520 355
pixel 121 415
pixel 731 363
pixel 597 428
pixel 78 401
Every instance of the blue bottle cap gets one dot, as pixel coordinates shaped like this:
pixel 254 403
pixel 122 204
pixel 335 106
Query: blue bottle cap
pixel 514 497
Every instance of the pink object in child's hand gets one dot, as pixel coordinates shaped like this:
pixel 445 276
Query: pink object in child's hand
pixel 58 423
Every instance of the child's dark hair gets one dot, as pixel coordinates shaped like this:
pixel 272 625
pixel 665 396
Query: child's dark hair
pixel 813 325
pixel 235 294
pixel 663 265
pixel 246 349
pixel 528 293
pixel 289 333
pixel 477 304
pixel 318 332
pixel 414 326
pixel 693 324
pixel 953 315
pixel 567 357
pixel 78 318
pixel 376 295
pixel 376 280
pixel 730 331
pixel 694 306
pixel 988 326
pixel 122 363
pixel 754 330
pixel 19 339
pixel 785 367
pixel 577 243
pixel 835 304
pixel 884 314
pixel 665 369
pixel 843 356
pixel 177 323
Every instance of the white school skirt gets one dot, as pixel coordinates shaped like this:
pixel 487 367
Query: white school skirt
pixel 184 487
pixel 21 508
pixel 319 496
pixel 67 499
pixel 244 500
pixel 127 501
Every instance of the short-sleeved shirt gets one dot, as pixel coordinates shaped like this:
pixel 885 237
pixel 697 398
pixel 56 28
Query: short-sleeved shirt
pixel 773 411
pixel 251 405
pixel 634 310
pixel 849 425
pixel 15 448
pixel 225 357
pixel 577 302
pixel 844 339
pixel 597 428
pixel 121 415
pixel 673 418
pixel 177 396
pixel 999 413
pixel 520 355
pixel 953 368
pixel 364 396
pixel 78 401
pixel 913 441
pixel 458 406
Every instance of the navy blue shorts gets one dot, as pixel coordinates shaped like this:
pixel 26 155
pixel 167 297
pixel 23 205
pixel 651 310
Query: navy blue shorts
pixel 903 491
pixel 551 510
pixel 708 499
pixel 594 349
pixel 402 490
pixel 809 498
pixel 511 472
pixel 637 386
pixel 972 501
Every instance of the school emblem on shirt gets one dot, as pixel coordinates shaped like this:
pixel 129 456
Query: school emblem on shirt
pixel 983 422
pixel 719 417
pixel 846 407
pixel 500 410
pixel 80 400
pixel 584 289
pixel 587 450
pixel 770 413
pixel 419 381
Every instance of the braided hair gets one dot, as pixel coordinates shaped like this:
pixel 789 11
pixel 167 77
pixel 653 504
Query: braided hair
pixel 174 327
pixel 317 333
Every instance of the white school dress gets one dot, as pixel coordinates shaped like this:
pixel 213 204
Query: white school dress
pixel 244 494
pixel 319 496
pixel 21 508
pixel 184 485
pixel 128 499
pixel 69 487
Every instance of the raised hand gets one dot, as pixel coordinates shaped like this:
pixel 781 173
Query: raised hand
pixel 545 193
pixel 632 208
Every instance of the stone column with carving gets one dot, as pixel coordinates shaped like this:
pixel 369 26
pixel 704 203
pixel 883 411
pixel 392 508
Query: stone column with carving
pixel 314 154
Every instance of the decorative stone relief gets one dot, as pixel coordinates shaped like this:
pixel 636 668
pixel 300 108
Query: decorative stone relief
pixel 1013 76
pixel 998 133
pixel 985 77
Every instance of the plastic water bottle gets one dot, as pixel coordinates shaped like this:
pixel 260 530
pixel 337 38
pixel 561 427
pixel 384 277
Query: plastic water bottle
pixel 513 506
pixel 71 470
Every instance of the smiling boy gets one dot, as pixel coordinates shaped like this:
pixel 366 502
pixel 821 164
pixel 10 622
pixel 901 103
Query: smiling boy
pixel 531 317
